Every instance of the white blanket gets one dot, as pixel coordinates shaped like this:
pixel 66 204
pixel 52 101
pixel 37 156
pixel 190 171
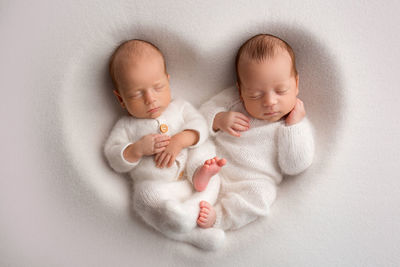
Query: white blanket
pixel 60 203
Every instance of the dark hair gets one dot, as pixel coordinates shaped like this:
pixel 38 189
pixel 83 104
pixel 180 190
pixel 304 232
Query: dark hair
pixel 261 47
pixel 134 46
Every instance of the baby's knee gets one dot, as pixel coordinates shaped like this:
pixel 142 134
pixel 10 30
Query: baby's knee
pixel 264 194
pixel 145 197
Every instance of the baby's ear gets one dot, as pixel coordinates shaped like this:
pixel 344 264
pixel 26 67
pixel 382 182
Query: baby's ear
pixel 120 100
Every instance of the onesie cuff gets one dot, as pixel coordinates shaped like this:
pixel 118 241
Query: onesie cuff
pixel 295 129
pixel 296 147
pixel 201 139
pixel 124 161
pixel 200 127
pixel 210 120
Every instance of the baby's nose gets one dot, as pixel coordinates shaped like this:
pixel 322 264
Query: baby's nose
pixel 269 99
pixel 149 97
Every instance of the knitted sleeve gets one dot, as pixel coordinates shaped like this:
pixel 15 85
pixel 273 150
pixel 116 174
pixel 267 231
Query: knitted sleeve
pixel 193 120
pixel 220 103
pixel 295 147
pixel 115 146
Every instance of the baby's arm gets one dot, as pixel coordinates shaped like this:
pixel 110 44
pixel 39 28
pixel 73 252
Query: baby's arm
pixel 218 116
pixel 123 154
pixel 193 134
pixel 295 142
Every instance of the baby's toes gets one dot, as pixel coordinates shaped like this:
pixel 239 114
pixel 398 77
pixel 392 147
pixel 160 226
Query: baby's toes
pixel 205 204
pixel 204 213
pixel 202 220
pixel 221 162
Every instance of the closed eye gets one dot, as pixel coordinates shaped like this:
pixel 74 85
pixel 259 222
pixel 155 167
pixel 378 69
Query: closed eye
pixel 159 87
pixel 282 91
pixel 136 95
pixel 254 96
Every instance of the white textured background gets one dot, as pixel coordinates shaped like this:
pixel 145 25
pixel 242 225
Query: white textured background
pixel 60 205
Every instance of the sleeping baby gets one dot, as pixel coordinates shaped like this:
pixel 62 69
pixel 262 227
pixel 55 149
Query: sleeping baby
pixel 261 130
pixel 151 144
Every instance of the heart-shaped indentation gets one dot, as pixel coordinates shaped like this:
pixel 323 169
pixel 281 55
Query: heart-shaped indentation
pixel 88 108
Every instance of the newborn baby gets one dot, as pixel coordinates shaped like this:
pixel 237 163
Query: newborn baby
pixel 151 144
pixel 261 129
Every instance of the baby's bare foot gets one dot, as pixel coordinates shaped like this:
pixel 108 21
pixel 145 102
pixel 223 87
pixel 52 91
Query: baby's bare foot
pixel 204 173
pixel 207 215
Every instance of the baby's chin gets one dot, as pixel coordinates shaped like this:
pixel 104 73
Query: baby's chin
pixel 154 115
pixel 148 115
pixel 269 117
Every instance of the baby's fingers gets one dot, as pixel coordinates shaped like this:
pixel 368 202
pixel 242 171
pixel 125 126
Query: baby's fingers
pixel 162 138
pixel 165 160
pixel 242 122
pixel 161 144
pixel 158 155
pixel 160 159
pixel 243 117
pixel 171 161
pixel 233 132
pixel 239 127
pixel 300 106
pixel 158 151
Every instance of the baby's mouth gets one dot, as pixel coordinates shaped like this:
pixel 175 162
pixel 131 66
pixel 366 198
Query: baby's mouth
pixel 272 113
pixel 153 110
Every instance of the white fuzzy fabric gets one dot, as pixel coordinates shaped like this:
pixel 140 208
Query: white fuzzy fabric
pixel 60 203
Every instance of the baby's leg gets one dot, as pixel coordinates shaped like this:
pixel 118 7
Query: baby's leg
pixel 151 198
pixel 187 213
pixel 243 202
pixel 205 172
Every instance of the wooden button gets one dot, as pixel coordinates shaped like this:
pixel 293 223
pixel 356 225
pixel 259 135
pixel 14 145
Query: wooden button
pixel 163 128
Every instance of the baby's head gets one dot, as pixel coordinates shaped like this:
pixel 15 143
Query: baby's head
pixel 140 78
pixel 267 78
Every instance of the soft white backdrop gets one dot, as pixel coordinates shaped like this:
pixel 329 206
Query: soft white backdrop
pixel 60 204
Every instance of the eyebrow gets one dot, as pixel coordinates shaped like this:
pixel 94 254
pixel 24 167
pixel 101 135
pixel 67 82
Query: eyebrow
pixel 132 94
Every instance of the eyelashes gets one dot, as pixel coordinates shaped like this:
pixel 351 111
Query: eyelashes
pixel 261 94
pixel 140 93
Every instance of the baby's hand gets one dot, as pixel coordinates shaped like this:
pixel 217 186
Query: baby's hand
pixel 153 143
pixel 297 113
pixel 167 157
pixel 231 122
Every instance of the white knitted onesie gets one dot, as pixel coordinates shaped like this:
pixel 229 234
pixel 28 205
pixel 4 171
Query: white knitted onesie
pixel 255 161
pixel 160 194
